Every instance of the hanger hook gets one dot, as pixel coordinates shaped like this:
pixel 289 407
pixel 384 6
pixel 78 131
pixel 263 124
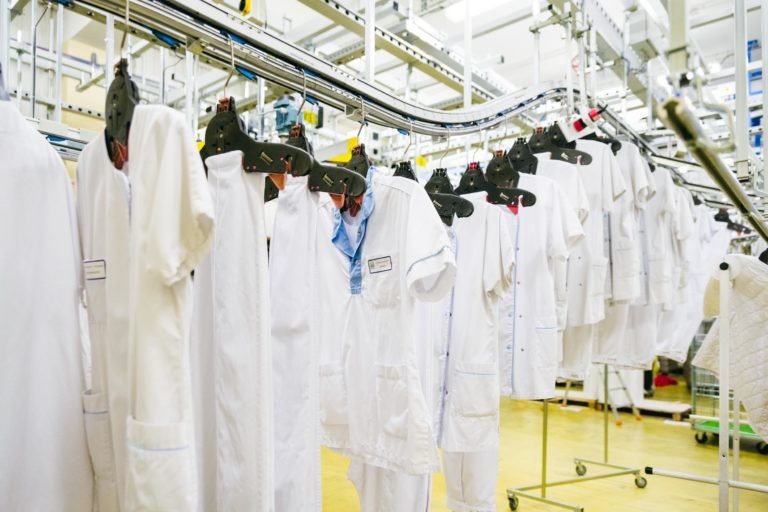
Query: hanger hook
pixel 410 140
pixel 447 150
pixel 304 97
pixel 362 122
pixel 126 28
pixel 232 64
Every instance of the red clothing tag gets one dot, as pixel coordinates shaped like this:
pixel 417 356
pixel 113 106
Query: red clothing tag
pixel 119 154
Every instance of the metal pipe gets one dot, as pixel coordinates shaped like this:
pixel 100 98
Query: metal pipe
pixel 676 114
pixel 189 98
pixel 569 56
pixel 163 82
pixel 724 384
pixel 536 10
pixel 544 438
pixel 5 38
pixel 742 113
pixel 593 65
pixel 370 41
pixel 736 447
pixel 34 53
pixel 58 79
pixel 764 43
pixel 109 41
pixel 467 65
pixel 582 63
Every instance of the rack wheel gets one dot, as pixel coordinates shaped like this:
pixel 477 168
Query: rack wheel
pixel 514 502
pixel 762 448
pixel 581 469
pixel 640 482
pixel 701 437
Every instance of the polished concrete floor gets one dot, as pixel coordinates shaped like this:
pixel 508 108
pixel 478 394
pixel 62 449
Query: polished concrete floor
pixel 578 432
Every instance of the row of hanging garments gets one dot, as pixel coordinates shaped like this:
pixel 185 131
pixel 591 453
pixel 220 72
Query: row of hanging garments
pixel 385 321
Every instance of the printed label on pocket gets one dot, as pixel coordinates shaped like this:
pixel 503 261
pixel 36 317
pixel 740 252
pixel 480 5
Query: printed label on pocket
pixel 380 265
pixel 95 269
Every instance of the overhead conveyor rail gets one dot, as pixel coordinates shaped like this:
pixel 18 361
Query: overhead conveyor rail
pixel 206 29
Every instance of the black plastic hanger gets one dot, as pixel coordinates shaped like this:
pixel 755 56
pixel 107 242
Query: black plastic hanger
pixel 330 179
pixel 3 92
pixel 511 196
pixel 500 170
pixel 405 170
pixel 614 143
pixel 359 161
pixel 557 137
pixel 226 132
pixel 439 183
pixel 450 204
pixel 764 257
pixel 541 142
pixel 472 180
pixel 122 98
pixel 522 158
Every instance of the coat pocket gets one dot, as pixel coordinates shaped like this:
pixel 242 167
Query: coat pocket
pixel 392 396
pixel 475 389
pixel 333 395
pixel 161 467
pixel 381 285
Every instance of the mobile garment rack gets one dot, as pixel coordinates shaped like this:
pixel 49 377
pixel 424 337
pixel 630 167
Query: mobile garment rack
pixel 677 115
pixel 515 493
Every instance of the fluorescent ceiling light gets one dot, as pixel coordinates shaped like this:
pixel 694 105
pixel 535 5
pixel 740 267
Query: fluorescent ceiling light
pixel 455 12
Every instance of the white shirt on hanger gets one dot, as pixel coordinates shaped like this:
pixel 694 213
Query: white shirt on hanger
pixel 295 351
pixel 44 461
pixel 103 206
pixel 528 338
pixel 232 349
pixel 171 229
pixel 372 405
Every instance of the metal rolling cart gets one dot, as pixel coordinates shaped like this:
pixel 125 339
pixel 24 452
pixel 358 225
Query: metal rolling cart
pixel 705 390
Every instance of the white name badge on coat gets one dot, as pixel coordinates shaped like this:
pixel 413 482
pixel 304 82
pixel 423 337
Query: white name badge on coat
pixel 95 269
pixel 380 265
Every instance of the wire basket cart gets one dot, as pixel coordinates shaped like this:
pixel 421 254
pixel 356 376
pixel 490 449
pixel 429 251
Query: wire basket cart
pixel 705 391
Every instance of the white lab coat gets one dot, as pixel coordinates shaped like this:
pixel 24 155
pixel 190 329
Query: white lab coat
pixel 231 347
pixel 171 230
pixel 295 352
pixel 542 236
pixel 103 203
pixel 372 404
pixel 43 451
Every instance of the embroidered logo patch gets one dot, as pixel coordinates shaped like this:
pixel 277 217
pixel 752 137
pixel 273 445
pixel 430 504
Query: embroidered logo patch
pixel 380 265
pixel 95 269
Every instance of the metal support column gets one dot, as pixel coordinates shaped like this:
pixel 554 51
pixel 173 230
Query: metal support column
pixel 593 65
pixel 764 39
pixel 109 40
pixel 59 60
pixel 370 41
pixel 261 95
pixel 677 55
pixel 190 105
pixel 536 10
pixel 569 56
pixel 725 378
pixel 5 38
pixel 581 29
pixel 467 65
pixel 742 112
pixel 163 59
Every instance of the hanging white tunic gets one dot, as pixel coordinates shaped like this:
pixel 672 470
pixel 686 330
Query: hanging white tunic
pixel 542 236
pixel 231 347
pixel 294 349
pixel 103 201
pixel 171 230
pixel 644 315
pixel 623 244
pixel 588 264
pixel 372 404
pixel 43 452
pixel 682 323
